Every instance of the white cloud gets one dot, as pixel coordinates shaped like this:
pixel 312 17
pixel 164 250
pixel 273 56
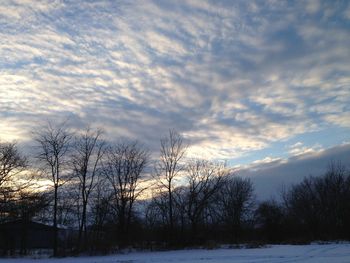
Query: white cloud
pixel 234 77
pixel 312 6
pixel 299 149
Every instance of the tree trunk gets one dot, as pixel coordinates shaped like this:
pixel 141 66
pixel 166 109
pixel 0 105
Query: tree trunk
pixel 82 227
pixel 55 233
pixel 171 220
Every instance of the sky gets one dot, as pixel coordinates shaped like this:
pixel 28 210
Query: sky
pixel 249 82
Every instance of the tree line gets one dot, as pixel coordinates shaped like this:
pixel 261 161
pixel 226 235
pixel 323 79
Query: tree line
pixel 114 195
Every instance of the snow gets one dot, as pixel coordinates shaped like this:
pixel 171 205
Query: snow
pixel 314 253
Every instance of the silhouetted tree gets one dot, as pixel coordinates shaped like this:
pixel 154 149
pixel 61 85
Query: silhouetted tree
pixel 270 219
pixel 123 168
pixel 12 167
pixel 319 205
pixel 12 163
pixel 87 154
pixel 235 203
pixel 101 207
pixel 172 151
pixel 204 179
pixel 54 144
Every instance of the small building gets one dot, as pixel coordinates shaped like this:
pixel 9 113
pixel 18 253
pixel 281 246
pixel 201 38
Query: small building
pixel 22 236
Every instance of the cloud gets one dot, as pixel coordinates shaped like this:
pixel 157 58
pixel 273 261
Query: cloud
pixel 298 149
pixel 270 175
pixel 313 6
pixel 234 77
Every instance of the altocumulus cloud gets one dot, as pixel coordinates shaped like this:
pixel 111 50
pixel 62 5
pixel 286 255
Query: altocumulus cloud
pixel 234 77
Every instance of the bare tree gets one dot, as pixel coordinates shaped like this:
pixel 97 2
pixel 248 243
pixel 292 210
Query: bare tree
pixel 101 201
pixel 54 143
pixel 12 167
pixel 156 216
pixel 319 206
pixel 172 151
pixel 235 202
pixel 204 180
pixel 123 168
pixel 269 219
pixel 88 152
pixel 12 163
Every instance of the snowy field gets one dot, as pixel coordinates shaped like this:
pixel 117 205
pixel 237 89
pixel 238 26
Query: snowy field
pixel 332 253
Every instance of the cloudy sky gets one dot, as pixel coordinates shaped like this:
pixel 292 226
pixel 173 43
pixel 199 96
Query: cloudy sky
pixel 245 81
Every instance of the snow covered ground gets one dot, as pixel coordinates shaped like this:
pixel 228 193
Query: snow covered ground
pixel 333 253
